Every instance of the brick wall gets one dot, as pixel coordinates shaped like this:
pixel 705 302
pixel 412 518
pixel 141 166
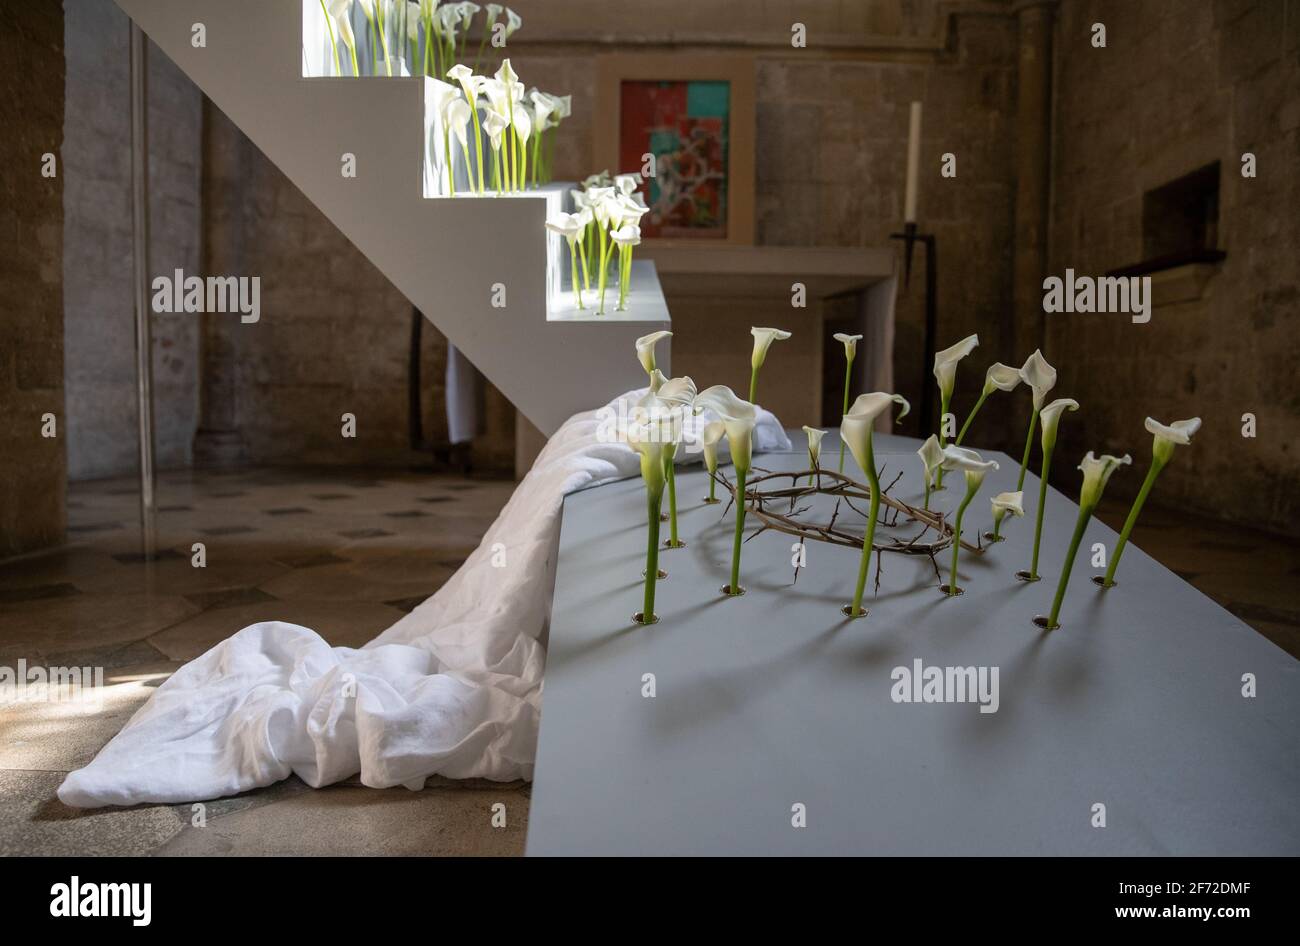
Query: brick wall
pixel 1178 86
pixel 33 469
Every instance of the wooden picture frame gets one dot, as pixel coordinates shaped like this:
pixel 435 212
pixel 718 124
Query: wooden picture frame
pixel 618 77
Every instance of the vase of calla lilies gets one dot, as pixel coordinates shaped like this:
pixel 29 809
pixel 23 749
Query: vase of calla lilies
pixel 606 227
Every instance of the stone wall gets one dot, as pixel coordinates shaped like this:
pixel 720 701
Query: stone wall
pixel 33 468
pixel 99 332
pixel 1178 86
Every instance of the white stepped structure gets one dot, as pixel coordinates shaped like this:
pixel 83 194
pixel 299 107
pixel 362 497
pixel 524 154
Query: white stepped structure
pixel 446 255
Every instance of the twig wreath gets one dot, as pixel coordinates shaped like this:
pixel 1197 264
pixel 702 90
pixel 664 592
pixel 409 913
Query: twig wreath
pixel 765 501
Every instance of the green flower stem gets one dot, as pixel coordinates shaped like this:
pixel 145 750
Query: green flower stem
pixel 582 253
pixel 997 526
pixel 478 145
pixel 672 495
pixel 537 157
pixel 1085 513
pixel 523 163
pixel 956 536
pixel 1156 466
pixel 511 140
pixel 654 499
pixel 740 530
pixel 624 275
pixel 1029 443
pixel 487 30
pixel 945 401
pixel 753 383
pixel 712 485
pixel 1042 504
pixel 926 505
pixel 870 537
pixel 430 30
pixel 961 435
pixel 428 46
pixel 848 370
pixel 334 43
pixel 606 250
pixel 446 147
pixel 573 263
pixel 496 170
pixel 383 40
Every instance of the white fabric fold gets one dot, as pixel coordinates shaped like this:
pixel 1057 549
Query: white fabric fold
pixel 452 689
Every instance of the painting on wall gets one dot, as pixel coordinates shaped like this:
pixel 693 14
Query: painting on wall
pixel 686 126
pixel 695 115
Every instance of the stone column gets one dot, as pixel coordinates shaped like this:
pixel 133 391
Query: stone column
pixel 1033 152
pixel 218 441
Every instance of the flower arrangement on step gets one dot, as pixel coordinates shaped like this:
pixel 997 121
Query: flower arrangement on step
pixel 606 218
pixel 409 37
pixel 498 108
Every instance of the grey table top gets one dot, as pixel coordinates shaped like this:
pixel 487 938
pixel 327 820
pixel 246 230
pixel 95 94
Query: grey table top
pixel 775 700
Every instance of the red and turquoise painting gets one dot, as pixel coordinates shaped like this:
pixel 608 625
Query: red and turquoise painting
pixel 685 125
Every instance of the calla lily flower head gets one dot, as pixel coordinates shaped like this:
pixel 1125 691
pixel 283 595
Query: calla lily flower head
pixel 413 15
pixel 629 235
pixel 563 105
pixel 513 22
pixel 1096 474
pixel 709 437
pixel 341 12
pixel 1179 433
pixel 857 424
pixel 1004 503
pixel 931 455
pixel 644 435
pixel 621 210
pixel 969 462
pixel 645 349
pixel 580 199
pixel 763 339
pixel 569 226
pixel 458 117
pixel 467 11
pixel 850 344
pixel 1040 376
pixel 493 11
pixel 448 17
pixel 471 83
pixel 627 183
pixel 585 216
pixel 678 392
pixel 523 122
pixel 945 363
pixel 1051 417
pixel 441 94
pixel 506 74
pixel 657 380
pixel 814 442
pixel 495 126
pixel 1001 377
pixel 543 106
pixel 599 179
pixel 738 417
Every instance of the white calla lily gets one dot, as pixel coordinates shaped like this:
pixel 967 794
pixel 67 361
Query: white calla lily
pixel 713 432
pixel 1167 436
pixel 513 22
pixel 566 225
pixel 645 349
pixel 946 361
pixel 763 339
pixel 1004 503
pixel 626 236
pixel 855 430
pixel 1179 433
pixel 1040 376
pixel 1050 416
pixel 975 469
pixel 739 419
pixel 1096 473
pixel 931 455
pixel 814 444
pixel 1001 377
pixel 850 343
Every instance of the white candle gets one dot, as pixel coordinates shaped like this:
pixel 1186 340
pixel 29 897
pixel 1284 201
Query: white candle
pixel 913 164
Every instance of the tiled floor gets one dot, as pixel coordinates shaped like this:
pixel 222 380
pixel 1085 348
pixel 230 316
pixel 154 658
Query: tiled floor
pixel 346 554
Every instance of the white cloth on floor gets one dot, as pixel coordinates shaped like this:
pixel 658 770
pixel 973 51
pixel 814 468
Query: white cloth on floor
pixel 452 689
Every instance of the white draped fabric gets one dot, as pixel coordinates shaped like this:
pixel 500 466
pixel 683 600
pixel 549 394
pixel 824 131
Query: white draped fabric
pixel 453 689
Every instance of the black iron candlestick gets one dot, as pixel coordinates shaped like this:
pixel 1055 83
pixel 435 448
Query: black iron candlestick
pixel 910 238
